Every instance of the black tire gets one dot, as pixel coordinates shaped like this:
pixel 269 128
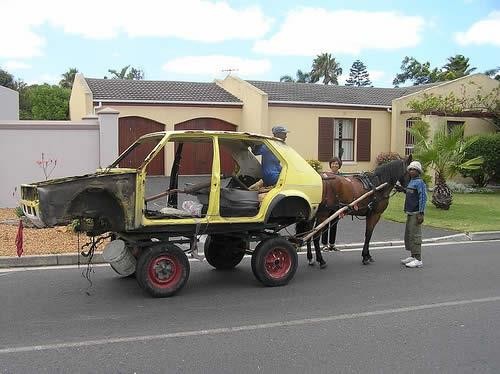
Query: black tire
pixel 274 262
pixel 224 252
pixel 253 263
pixel 162 270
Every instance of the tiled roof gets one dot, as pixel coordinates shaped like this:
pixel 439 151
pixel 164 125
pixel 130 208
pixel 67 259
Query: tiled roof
pixel 308 93
pixel 158 91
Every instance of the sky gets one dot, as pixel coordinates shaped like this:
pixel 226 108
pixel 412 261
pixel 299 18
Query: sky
pixel 201 40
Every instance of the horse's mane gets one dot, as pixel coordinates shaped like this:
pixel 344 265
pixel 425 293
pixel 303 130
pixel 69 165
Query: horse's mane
pixel 390 172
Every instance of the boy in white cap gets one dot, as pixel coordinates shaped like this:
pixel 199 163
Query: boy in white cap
pixel 416 198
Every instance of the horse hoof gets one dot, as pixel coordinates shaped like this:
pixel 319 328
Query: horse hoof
pixel 323 265
pixel 366 262
pixel 311 263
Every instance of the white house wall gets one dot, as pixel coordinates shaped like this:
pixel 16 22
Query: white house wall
pixel 9 104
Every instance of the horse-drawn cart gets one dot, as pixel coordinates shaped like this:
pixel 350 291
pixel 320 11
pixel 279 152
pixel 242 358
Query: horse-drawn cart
pixel 154 221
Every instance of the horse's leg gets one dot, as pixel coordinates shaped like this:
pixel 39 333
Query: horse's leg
pixel 310 260
pixel 371 221
pixel 319 256
pixel 301 228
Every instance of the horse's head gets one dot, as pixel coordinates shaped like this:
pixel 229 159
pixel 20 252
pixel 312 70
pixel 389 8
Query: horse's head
pixel 394 171
pixel 404 179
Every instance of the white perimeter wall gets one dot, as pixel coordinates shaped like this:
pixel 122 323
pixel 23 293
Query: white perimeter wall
pixel 75 146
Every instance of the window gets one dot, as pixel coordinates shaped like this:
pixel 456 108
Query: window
pixel 343 144
pixel 336 137
pixel 410 139
pixel 450 125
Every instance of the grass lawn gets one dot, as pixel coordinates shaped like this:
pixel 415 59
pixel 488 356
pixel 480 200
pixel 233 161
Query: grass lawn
pixel 469 212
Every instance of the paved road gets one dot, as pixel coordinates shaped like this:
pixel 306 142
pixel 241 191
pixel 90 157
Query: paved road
pixel 348 318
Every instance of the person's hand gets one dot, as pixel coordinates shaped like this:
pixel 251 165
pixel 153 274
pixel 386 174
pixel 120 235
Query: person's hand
pixel 420 218
pixel 399 188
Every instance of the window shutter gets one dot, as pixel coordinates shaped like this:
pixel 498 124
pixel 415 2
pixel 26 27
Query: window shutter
pixel 325 139
pixel 364 136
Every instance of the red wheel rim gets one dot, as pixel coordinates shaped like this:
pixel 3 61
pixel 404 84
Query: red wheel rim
pixel 165 271
pixel 278 263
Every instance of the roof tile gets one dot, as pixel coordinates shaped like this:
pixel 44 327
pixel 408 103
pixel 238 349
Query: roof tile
pixel 330 94
pixel 163 91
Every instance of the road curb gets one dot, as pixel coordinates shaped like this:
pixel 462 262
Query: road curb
pixel 485 235
pixel 74 258
pixel 49 260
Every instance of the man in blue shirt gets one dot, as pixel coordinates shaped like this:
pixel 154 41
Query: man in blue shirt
pixel 271 166
pixel 416 198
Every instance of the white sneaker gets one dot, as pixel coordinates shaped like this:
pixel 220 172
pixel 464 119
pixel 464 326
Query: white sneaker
pixel 414 264
pixel 407 260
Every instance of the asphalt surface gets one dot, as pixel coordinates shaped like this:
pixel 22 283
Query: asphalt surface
pixel 347 318
pixel 350 233
pixel 352 230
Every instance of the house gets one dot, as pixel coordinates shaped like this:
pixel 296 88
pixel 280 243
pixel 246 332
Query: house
pixel 9 104
pixel 362 121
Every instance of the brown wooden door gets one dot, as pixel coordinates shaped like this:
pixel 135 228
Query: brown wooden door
pixel 131 128
pixel 198 157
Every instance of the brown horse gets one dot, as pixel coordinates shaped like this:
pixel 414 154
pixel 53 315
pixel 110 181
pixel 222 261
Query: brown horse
pixel 339 191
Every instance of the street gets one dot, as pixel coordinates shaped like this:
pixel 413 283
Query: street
pixel 384 318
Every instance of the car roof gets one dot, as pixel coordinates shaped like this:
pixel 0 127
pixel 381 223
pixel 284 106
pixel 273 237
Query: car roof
pixel 232 134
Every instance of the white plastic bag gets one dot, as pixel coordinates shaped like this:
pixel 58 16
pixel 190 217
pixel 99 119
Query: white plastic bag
pixel 192 207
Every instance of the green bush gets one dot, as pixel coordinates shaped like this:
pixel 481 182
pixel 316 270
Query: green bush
pixel 19 212
pixel 487 146
pixel 385 157
pixel 316 165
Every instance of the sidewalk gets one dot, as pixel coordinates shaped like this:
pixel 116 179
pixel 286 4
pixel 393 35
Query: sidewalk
pixel 350 234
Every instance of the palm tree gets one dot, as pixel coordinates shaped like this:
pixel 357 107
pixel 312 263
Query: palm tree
pixel 324 65
pixel 301 77
pixel 124 73
pixel 68 78
pixel 121 74
pixel 287 78
pixel 493 73
pixel 445 153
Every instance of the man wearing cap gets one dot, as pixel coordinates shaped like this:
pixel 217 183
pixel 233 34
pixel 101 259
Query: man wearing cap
pixel 271 167
pixel 416 198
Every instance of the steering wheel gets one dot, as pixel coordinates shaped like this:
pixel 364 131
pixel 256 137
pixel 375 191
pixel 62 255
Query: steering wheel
pixel 240 183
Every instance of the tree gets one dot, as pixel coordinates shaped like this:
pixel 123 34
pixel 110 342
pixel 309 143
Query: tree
pixel 24 100
pixel 494 73
pixel 412 70
pixel 287 78
pixel 446 154
pixel 325 66
pixel 68 78
pixel 488 147
pixel 415 71
pixel 358 75
pixel 124 73
pixel 49 102
pixel 456 67
pixel 7 80
pixel 301 77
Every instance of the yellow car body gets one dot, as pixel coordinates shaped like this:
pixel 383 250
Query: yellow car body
pixel 295 196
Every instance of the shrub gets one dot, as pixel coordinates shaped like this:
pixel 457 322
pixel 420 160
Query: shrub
pixel 461 188
pixel 19 212
pixel 385 157
pixel 487 146
pixel 316 165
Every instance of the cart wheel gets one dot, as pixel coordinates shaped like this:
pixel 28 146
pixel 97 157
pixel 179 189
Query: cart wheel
pixel 162 270
pixel 254 270
pixel 224 252
pixel 274 262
